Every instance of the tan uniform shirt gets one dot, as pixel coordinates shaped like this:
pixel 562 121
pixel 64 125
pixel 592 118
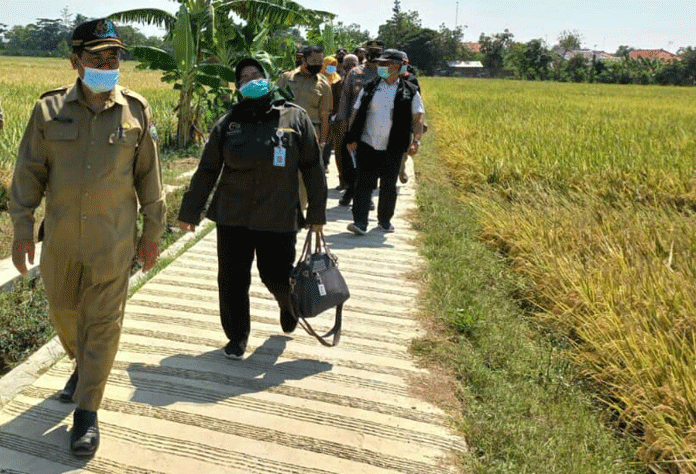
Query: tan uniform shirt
pixel 93 169
pixel 311 93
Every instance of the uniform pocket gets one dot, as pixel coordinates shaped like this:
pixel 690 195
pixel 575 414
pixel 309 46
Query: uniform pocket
pixel 125 138
pixel 56 131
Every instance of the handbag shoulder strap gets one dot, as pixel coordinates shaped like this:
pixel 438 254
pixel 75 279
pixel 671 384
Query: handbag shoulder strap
pixel 335 331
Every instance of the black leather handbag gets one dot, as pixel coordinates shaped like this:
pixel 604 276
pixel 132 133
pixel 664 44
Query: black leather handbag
pixel 317 286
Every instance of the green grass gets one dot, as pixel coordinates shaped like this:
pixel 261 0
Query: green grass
pixel 24 325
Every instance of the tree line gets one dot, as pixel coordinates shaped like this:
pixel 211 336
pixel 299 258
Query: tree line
pixel 50 37
pixel 534 60
pixel 205 39
pixel 428 49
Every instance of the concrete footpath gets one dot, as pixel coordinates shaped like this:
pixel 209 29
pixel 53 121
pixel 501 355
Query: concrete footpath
pixel 175 404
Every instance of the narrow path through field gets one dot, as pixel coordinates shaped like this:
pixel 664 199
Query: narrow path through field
pixel 175 404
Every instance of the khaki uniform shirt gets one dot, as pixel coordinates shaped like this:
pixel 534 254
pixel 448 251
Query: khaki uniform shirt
pixel 311 93
pixel 353 84
pixel 93 169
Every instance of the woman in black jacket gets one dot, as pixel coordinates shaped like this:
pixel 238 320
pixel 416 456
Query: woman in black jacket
pixel 256 150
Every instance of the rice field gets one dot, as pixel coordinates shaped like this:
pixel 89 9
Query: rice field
pixel 590 193
pixel 23 80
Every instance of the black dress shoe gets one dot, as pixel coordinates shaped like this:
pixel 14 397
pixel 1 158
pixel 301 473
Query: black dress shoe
pixel 84 437
pixel 68 393
pixel 288 321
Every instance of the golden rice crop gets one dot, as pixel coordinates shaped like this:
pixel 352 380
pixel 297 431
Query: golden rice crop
pixel 590 190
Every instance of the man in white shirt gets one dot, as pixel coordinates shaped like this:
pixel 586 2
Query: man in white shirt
pixel 386 111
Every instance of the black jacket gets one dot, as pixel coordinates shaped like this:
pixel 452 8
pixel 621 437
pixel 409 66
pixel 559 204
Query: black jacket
pixel 252 191
pixel 402 118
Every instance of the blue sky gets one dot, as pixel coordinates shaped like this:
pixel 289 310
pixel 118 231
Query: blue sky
pixel 604 25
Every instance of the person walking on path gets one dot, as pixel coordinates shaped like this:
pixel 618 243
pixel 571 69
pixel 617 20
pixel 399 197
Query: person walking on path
pixel 340 55
pixel 407 73
pixel 354 82
pixel 312 92
pixel 386 111
pixel 330 73
pixel 311 89
pixel 256 150
pixel 344 162
pixel 89 149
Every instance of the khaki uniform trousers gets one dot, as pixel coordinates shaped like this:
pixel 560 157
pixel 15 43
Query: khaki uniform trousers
pixel 87 316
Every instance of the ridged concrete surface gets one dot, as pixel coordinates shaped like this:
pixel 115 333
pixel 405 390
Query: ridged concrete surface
pixel 175 404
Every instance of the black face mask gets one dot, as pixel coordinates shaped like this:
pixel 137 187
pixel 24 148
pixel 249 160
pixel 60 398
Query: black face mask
pixel 314 68
pixel 372 55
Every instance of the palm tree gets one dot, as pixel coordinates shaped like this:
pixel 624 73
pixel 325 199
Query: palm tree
pixel 207 43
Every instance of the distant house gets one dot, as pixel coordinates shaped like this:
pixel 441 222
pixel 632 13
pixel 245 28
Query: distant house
pixel 474 47
pixel 659 54
pixel 465 68
pixel 589 54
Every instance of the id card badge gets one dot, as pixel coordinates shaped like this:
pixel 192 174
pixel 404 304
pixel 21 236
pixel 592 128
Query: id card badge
pixel 279 156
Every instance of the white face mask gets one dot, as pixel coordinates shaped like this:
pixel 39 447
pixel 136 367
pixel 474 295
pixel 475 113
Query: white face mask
pixel 100 80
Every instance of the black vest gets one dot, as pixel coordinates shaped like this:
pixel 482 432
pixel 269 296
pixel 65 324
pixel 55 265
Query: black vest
pixel 400 133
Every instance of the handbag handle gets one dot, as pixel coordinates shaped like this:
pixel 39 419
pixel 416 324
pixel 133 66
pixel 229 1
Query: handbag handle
pixel 319 245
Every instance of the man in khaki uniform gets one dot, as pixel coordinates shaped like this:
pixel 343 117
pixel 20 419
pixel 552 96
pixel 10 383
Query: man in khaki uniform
pixel 90 149
pixel 312 92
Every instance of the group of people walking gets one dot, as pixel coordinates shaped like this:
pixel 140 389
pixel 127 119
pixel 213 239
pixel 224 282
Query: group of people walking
pixel 90 149
pixel 370 112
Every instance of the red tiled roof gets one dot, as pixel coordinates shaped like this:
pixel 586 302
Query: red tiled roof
pixel 473 47
pixel 660 54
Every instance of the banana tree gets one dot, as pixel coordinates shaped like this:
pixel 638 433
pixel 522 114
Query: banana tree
pixel 207 44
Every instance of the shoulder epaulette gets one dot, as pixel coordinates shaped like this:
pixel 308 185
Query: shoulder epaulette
pixel 292 104
pixel 136 96
pixel 60 90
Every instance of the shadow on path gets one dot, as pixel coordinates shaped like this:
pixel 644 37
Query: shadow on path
pixel 211 377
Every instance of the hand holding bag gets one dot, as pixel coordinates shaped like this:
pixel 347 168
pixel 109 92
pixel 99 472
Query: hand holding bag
pixel 317 285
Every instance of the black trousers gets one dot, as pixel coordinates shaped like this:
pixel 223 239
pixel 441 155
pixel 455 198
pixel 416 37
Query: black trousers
pixel 349 171
pixel 275 256
pixel 372 165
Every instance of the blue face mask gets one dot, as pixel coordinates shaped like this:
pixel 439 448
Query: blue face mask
pixel 100 80
pixel 255 88
pixel 403 70
pixel 383 72
pixel 330 69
